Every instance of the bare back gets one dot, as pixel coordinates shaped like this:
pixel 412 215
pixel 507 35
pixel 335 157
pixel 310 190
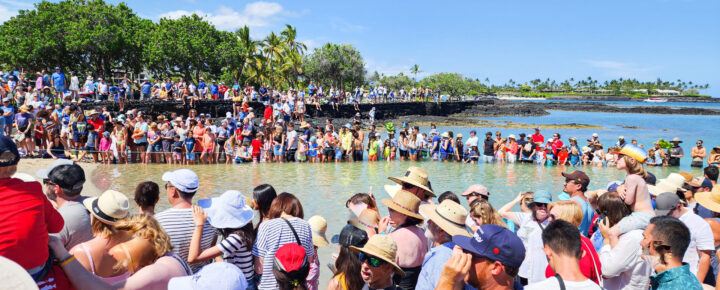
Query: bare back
pixel 636 194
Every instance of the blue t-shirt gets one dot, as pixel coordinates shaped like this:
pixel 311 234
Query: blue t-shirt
pixel 143 127
pixel 190 143
pixel 146 88
pixel 213 89
pixel 434 140
pixel 588 214
pixel 201 85
pixel 59 80
pixel 9 119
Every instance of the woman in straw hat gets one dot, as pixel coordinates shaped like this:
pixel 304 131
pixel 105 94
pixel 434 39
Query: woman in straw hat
pixel 147 255
pixel 105 212
pixel 232 217
pixel 676 152
pixel 378 258
pixel 412 244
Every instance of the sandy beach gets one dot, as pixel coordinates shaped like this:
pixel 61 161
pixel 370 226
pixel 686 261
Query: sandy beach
pixel 31 166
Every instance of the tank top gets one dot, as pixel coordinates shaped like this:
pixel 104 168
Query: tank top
pixel 658 158
pixel 341 281
pixel 109 280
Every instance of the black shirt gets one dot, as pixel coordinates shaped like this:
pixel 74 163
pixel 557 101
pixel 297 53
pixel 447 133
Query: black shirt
pixel 489 150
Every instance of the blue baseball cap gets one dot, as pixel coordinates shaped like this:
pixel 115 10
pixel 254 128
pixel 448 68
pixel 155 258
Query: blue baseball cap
pixel 495 243
pixel 613 185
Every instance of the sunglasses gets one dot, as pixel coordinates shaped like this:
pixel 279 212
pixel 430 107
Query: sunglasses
pixel 372 261
pixel 485 197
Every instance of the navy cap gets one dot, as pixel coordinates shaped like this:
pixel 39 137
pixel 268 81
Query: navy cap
pixel 351 236
pixel 707 183
pixel 650 179
pixel 68 176
pixel 9 154
pixel 495 243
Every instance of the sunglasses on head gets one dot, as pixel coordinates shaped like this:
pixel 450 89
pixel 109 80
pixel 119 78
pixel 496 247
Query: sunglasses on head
pixel 372 261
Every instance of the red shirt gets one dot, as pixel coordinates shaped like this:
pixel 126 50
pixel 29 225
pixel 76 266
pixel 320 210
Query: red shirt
pixel 556 145
pixel 589 259
pixel 26 218
pixel 97 124
pixel 268 113
pixel 256 144
pixel 538 138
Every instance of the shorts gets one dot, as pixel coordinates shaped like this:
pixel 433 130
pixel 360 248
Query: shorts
pixel 238 160
pixel 404 153
pixel 277 150
pixel 207 150
pixel 78 138
pixel 338 154
pixel 435 155
pixel 511 158
pixel 696 164
pixel 413 151
pixel 635 221
pixel 312 153
pixel 190 156
pixel 141 144
pixel 157 147
pixel 488 158
pixel 89 149
pixel 177 156
pixel 328 151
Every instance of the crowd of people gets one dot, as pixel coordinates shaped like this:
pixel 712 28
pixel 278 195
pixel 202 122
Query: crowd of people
pixel 636 233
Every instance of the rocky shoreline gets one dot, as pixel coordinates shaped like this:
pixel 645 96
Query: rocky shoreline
pixel 524 109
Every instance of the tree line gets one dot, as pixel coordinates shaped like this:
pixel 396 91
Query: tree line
pixel 101 39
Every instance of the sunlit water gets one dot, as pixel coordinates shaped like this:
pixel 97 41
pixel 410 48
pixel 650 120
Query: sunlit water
pixel 324 188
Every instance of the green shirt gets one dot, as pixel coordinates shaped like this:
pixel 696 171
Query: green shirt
pixel 676 278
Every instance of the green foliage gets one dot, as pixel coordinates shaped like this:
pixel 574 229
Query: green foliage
pixel 338 65
pixel 397 82
pixel 78 34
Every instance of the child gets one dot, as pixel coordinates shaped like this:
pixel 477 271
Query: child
pixel 90 145
pixel 229 149
pixel 105 144
pixel 244 154
pixel 549 157
pixel 373 149
pixel 177 148
pixel 473 155
pixel 189 147
pixel 302 149
pixel 312 149
pixel 634 191
pixel 208 141
pixel 563 156
pixel 386 150
pixel 256 145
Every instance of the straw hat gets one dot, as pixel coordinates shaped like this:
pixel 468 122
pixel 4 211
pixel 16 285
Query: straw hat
pixel 110 207
pixel 304 124
pixel 368 218
pixel 23 109
pixel 710 199
pixel 318 225
pixel 449 216
pixel 382 247
pixel 392 189
pixel 512 136
pixel 417 177
pixel 405 203
pixel 688 177
pixel 676 140
pixel 672 183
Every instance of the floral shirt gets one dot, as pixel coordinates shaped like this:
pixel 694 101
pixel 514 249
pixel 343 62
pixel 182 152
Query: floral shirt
pixel 675 278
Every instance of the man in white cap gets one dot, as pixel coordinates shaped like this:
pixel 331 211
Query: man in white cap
pixel 180 187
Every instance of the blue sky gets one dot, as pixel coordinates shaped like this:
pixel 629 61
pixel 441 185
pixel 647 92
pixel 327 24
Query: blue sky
pixel 500 40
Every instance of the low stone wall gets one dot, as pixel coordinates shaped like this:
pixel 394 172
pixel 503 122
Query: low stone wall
pixel 219 108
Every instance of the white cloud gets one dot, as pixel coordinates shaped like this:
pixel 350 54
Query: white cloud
pixel 256 14
pixel 6 13
pixel 617 69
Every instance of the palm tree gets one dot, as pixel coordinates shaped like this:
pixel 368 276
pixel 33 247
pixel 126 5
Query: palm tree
pixel 249 49
pixel 289 34
pixel 274 49
pixel 415 69
pixel 295 50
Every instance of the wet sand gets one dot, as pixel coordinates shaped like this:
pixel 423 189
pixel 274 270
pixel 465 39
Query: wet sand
pixel 31 166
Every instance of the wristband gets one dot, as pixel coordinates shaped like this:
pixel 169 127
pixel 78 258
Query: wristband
pixel 66 261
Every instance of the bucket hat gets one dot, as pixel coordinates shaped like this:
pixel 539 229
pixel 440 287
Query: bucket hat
pixel 415 176
pixel 109 207
pixel 449 216
pixel 227 211
pixel 541 196
pixel 368 218
pixel 404 202
pixel 382 247
pixel 318 226
pixel 220 275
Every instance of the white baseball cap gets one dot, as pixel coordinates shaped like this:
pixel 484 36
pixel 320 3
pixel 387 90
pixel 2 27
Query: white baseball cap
pixel 184 180
pixel 219 275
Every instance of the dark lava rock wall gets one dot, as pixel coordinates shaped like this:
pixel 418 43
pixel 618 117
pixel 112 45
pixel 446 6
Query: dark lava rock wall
pixel 219 108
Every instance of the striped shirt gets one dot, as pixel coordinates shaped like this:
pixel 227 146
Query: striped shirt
pixel 179 226
pixel 272 235
pixel 238 254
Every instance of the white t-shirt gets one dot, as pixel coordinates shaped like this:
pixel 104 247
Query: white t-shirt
pixel 623 266
pixel 526 227
pixel 701 238
pixel 552 284
pixel 472 141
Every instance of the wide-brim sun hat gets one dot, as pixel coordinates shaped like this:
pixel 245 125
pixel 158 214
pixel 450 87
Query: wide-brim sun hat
pixel 449 216
pixel 663 185
pixel 710 199
pixel 405 203
pixel 415 176
pixel 382 247
pixel 109 207
pixel 676 140
pixel 392 189
pixel 14 276
pixel 318 226
pixel 367 219
pixel 227 211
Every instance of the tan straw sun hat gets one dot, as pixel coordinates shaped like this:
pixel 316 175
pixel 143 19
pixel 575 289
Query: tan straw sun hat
pixel 415 176
pixel 710 199
pixel 405 203
pixel 110 207
pixel 368 218
pixel 382 247
pixel 449 216
pixel 672 183
pixel 318 225
pixel 392 189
